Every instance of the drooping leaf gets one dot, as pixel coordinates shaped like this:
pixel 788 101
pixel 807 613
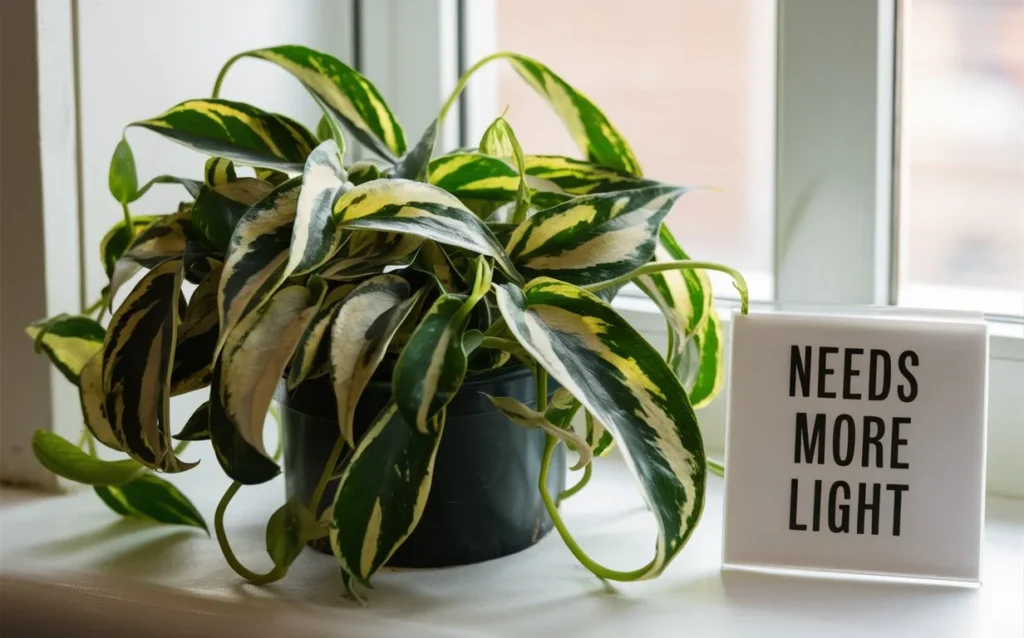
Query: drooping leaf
pixel 151 498
pixel 197 338
pixel 254 359
pixel 64 459
pixel 382 492
pixel 288 530
pixel 592 238
pixel 256 256
pixel 218 208
pixel 123 180
pixel 308 353
pixel 237 131
pixel 197 428
pixel 605 363
pixel 315 237
pixel 241 461
pixel 92 398
pixel 218 171
pixel 118 238
pixel 362 328
pixel 163 239
pixel 138 353
pixel 69 341
pixel 500 141
pixel 526 416
pixel 350 97
pixel 403 206
pixel 414 165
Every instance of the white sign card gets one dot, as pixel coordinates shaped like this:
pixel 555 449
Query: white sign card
pixel 856 444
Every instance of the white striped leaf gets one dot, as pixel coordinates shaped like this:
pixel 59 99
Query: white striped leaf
pixel 254 358
pixel 151 498
pixel 315 237
pixel 365 322
pixel 527 417
pixel 69 341
pixel 403 206
pixel 349 97
pixel 256 256
pixel 92 399
pixel 197 337
pixel 382 492
pixel 237 131
pixel 219 207
pixel 312 350
pixel 163 239
pixel 63 458
pixel 605 363
pixel 138 353
pixel 592 238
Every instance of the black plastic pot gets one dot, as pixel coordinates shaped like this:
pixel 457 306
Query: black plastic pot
pixel 483 501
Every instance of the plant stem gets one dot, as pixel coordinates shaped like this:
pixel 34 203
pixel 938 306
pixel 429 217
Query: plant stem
pixel 84 438
pixel 91 444
pixel 128 225
pixel 580 485
pixel 224 72
pixel 325 477
pixel 497 343
pixel 540 375
pixel 598 570
pixel 277 573
pixel 465 80
pixel 716 467
pixel 685 264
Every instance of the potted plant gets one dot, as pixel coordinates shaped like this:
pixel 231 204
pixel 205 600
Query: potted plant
pixel 428 325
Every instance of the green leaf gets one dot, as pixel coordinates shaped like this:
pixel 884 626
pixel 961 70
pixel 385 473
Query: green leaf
pixel 151 498
pixel 123 179
pixel 382 492
pixel 351 99
pixel 218 208
pixel 527 417
pixel 197 338
pixel 118 238
pixel 138 353
pixel 311 351
pixel 288 530
pixel 64 459
pixel 254 359
pixel 315 237
pixel 69 341
pixel 256 256
pixel 197 428
pixel 323 129
pixel 363 326
pixel 241 461
pixel 236 131
pixel 92 398
pixel 190 185
pixel 592 238
pixel 403 206
pixel 618 377
pixel 500 141
pixel 415 164
pixel 164 238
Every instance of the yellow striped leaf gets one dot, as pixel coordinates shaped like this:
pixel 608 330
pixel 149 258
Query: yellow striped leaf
pixel 373 252
pixel 618 377
pixel 311 351
pixel 527 417
pixel 500 141
pixel 592 238
pixel 315 237
pixel 241 461
pixel 69 341
pixel 219 170
pixel 349 97
pixel 163 239
pixel 236 131
pixel 92 399
pixel 403 206
pixel 138 353
pixel 256 256
pixel 578 177
pixel 382 492
pixel 219 207
pixel 476 177
pixel 365 322
pixel 197 337
pixel 118 238
pixel 151 498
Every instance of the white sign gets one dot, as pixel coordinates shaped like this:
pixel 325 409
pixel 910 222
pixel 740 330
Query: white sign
pixel 856 444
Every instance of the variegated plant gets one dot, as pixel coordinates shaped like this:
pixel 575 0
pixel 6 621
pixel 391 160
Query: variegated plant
pixel 413 266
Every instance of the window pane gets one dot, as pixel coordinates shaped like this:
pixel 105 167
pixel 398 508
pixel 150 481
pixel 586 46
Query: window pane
pixel 962 216
pixel 689 83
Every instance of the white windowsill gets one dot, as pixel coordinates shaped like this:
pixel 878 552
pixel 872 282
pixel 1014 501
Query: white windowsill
pixel 69 566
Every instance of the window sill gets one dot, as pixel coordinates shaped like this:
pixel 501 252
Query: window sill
pixel 69 566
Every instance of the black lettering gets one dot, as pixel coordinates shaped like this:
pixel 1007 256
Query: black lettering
pixel 874 392
pixel 844 526
pixel 897 443
pixel 911 393
pixel 808 442
pixel 873 440
pixel 794 488
pixel 863 506
pixel 897 504
pixel 799 368
pixel 825 371
pixel 816 523
pixel 851 434
pixel 849 373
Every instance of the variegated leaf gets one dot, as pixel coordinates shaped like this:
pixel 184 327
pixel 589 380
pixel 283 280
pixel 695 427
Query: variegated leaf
pixel 315 237
pixel 578 177
pixel 92 399
pixel 219 207
pixel 368 252
pixel 500 141
pixel 403 206
pixel 161 240
pixel 190 185
pixel 350 97
pixel 415 164
pixel 527 417
pixel 309 353
pixel 432 259
pixel 138 353
pixel 218 171
pixel 592 238
pixel 254 358
pixel 707 355
pixel 360 333
pixel 476 177
pixel 363 171
pixel 270 175
pixel 237 131
pixel 151 498
pixel 197 337
pixel 256 256
pixel 118 238
pixel 623 381
pixel 382 492
pixel 69 341
pixel 197 428
pixel 241 461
